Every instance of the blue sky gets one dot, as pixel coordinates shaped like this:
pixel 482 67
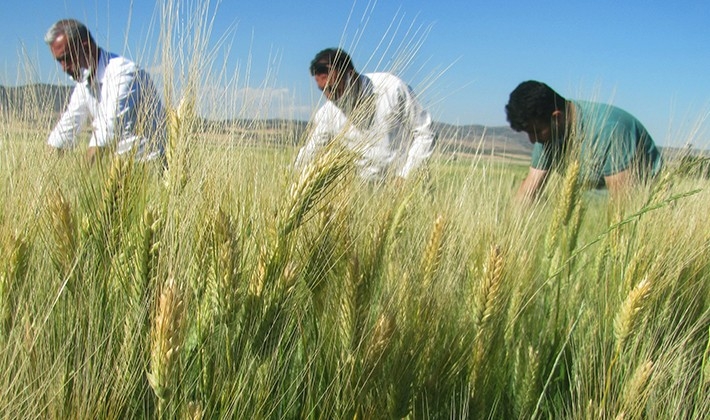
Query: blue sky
pixel 462 56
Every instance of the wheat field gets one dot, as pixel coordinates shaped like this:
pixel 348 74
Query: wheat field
pixel 232 286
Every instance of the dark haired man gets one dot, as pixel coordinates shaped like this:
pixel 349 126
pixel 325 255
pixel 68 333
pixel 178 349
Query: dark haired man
pixel 124 106
pixel 614 149
pixel 376 115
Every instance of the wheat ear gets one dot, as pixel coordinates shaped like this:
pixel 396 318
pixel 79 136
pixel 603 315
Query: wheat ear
pixel 636 390
pixel 487 302
pixel 64 231
pixel 166 342
pixel 628 316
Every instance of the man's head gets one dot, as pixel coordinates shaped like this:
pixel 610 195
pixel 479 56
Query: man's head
pixel 538 110
pixel 72 46
pixel 333 71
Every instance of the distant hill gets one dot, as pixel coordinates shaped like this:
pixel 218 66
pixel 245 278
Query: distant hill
pixel 451 139
pixel 20 99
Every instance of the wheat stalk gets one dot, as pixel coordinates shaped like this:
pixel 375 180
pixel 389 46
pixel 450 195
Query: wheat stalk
pixel 180 128
pixel 314 181
pixel 530 386
pixel 564 208
pixel 14 271
pixel 384 331
pixel 635 391
pixel 433 254
pixel 627 317
pixel 64 230
pixel 488 304
pixel 166 342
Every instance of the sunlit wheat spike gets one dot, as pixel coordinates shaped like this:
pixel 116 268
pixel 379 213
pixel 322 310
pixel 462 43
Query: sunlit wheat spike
pixel 628 316
pixel 600 260
pixel 314 181
pixel 194 411
pixel 569 191
pixel 631 273
pixel 112 194
pixel 180 127
pixel 381 338
pixel 531 385
pixel 224 283
pixel 432 253
pixel 15 268
pixel 487 304
pixel 635 391
pixel 563 208
pixel 166 340
pixel 64 230
pixel 148 251
pixel 486 299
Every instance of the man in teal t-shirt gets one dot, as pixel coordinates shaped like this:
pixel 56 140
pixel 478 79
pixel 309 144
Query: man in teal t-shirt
pixel 614 148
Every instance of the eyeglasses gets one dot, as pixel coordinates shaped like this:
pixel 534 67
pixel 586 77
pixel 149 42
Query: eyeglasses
pixel 319 69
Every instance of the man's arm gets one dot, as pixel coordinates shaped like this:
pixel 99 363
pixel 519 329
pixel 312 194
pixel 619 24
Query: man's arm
pixel 317 139
pixel 532 185
pixel 93 153
pixel 70 123
pixel 618 183
pixel 422 134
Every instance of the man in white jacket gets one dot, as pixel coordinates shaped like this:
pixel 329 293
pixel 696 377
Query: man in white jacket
pixel 375 115
pixel 126 113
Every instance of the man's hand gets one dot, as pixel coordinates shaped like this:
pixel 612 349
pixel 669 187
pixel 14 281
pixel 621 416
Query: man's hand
pixel 618 184
pixel 92 153
pixel 532 185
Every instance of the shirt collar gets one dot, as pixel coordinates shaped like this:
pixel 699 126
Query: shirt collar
pixel 363 90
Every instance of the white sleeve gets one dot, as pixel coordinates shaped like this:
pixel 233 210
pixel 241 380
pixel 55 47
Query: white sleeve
pixel 70 123
pixel 422 142
pixel 317 139
pixel 117 106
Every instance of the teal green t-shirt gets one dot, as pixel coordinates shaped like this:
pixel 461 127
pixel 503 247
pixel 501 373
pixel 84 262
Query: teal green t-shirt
pixel 607 139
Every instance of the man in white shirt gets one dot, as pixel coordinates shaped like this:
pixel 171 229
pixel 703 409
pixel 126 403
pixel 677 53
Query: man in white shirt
pixel 126 113
pixel 376 115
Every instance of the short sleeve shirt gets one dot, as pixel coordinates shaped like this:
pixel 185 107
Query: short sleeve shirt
pixel 608 139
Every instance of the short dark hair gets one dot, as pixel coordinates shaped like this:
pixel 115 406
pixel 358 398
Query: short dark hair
pixel 75 31
pixel 334 57
pixel 532 101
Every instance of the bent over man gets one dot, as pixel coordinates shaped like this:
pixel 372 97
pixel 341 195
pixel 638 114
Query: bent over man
pixel 126 113
pixel 375 115
pixel 614 149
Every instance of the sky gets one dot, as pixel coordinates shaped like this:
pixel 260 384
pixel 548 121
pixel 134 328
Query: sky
pixel 462 57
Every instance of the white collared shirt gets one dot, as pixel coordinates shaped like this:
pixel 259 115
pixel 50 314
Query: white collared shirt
pixel 394 137
pixel 124 106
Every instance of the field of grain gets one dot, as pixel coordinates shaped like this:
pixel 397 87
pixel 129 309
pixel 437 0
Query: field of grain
pixel 232 286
